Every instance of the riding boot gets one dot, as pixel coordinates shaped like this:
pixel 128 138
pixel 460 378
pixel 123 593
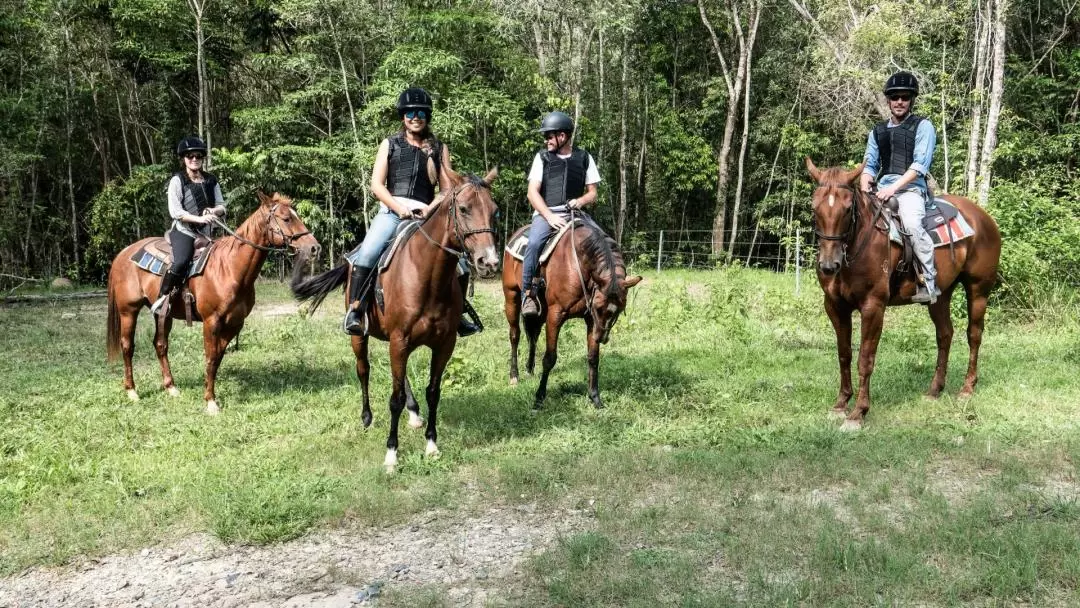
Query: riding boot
pixel 926 294
pixel 530 305
pixel 354 317
pixel 169 282
pixel 465 326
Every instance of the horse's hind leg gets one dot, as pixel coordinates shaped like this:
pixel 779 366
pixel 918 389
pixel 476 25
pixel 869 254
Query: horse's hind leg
pixel 161 345
pixel 363 371
pixel 512 308
pixel 412 406
pixel 976 298
pixel 439 359
pixel 551 355
pixel 941 314
pixel 127 347
pixel 533 325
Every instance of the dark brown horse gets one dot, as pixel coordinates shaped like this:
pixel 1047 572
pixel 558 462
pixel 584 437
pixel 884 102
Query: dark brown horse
pixel 586 279
pixel 422 299
pixel 856 269
pixel 224 292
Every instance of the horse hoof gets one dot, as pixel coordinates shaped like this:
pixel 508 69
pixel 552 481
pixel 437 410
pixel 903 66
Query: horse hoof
pixel 966 393
pixel 415 421
pixel 598 404
pixel 432 451
pixel 212 408
pixel 513 381
pixel 390 462
pixel 366 419
pixel 851 426
pixel 173 391
pixel 837 413
pixel 132 394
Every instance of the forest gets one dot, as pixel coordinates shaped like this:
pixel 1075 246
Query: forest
pixel 698 112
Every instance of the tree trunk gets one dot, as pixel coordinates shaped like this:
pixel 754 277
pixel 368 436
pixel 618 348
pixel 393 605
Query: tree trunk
pixel 620 222
pixel 978 96
pixel 746 53
pixel 639 200
pixel 997 87
pixel 68 132
pixel 198 9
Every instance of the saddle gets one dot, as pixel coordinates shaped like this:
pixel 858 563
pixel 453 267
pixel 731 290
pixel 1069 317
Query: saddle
pixel 519 242
pixel 943 222
pixel 155 257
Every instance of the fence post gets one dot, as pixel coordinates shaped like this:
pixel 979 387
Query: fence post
pixel 660 252
pixel 798 260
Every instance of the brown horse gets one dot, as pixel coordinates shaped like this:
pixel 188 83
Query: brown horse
pixel 422 299
pixel 856 270
pixel 585 278
pixel 224 292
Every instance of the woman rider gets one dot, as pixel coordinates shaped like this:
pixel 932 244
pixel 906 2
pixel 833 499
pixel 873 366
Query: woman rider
pixel 194 198
pixel 407 168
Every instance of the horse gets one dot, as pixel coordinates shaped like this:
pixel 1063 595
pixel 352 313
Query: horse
pixel 585 278
pixel 224 292
pixel 422 299
pixel 856 267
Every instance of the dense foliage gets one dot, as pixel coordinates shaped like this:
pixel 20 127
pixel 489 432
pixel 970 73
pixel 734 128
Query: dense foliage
pixel 296 95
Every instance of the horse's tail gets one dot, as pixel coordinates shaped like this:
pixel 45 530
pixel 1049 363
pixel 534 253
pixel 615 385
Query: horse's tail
pixel 112 332
pixel 316 288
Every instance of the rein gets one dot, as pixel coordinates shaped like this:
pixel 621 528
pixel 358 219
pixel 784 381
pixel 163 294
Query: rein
pixel 288 238
pixel 452 219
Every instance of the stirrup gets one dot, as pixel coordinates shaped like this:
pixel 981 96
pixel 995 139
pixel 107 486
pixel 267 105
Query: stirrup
pixel 355 322
pixel 923 295
pixel 530 307
pixel 158 304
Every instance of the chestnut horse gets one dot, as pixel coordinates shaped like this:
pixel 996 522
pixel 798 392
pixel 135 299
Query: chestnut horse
pixel 856 270
pixel 585 278
pixel 224 292
pixel 422 299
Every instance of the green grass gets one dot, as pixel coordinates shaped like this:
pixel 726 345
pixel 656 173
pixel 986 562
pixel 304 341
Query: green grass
pixel 715 475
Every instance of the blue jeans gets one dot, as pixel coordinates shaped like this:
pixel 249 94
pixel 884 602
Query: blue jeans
pixel 539 232
pixel 378 236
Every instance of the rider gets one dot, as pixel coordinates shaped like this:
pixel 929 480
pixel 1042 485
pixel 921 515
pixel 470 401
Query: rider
pixel 194 198
pixel 898 153
pixel 563 177
pixel 407 168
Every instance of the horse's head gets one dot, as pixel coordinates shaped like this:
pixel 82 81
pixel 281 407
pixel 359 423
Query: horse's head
pixel 284 227
pixel 472 214
pixel 835 214
pixel 608 302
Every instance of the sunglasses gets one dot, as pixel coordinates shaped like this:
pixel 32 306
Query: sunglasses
pixel 899 97
pixel 195 156
pixel 411 114
pixel 550 135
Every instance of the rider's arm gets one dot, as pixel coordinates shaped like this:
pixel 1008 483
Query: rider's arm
pixel 219 200
pixel 176 207
pixel 378 181
pixel 871 160
pixel 592 177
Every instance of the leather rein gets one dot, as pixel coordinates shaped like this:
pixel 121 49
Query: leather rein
pixel 273 225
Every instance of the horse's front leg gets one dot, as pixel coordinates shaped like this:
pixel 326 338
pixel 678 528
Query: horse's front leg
pixel 512 308
pixel 551 354
pixel 162 327
pixel 532 334
pixel 399 358
pixel 439 359
pixel 840 315
pixel 594 361
pixel 412 406
pixel 216 337
pixel 941 314
pixel 873 313
pixel 363 372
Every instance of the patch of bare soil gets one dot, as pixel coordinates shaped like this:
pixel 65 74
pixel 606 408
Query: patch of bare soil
pixel 474 560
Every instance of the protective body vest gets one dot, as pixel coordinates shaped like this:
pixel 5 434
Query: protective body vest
pixel 564 178
pixel 896 145
pixel 407 174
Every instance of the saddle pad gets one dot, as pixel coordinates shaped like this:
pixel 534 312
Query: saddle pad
pixel 520 241
pixel 943 222
pixel 156 257
pixel 404 231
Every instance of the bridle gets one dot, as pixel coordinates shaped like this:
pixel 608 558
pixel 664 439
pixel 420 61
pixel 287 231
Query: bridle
pixel 853 226
pixel 273 225
pixel 455 223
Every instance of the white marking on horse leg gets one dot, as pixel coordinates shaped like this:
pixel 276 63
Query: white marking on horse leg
pixel 432 450
pixel 212 407
pixel 390 462
pixel 173 391
pixel 132 394
pixel 415 421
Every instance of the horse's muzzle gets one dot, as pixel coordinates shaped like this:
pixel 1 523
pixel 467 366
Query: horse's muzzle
pixel 486 262
pixel 828 267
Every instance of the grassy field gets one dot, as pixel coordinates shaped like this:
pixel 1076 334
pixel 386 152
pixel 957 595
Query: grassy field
pixel 715 474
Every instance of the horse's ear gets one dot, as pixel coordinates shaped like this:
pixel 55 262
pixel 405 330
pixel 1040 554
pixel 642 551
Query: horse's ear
pixel 628 283
pixel 454 176
pixel 263 199
pixel 491 175
pixel 853 176
pixel 812 168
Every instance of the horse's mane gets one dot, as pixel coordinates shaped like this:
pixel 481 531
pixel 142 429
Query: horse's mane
pixel 599 246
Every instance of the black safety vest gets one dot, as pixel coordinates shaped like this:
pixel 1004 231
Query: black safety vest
pixel 896 145
pixel 197 195
pixel 564 178
pixel 407 174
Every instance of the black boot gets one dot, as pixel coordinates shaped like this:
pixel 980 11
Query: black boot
pixel 169 283
pixel 465 326
pixel 354 317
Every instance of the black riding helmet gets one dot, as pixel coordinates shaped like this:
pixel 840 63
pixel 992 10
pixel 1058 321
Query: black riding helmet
pixel 413 98
pixel 902 82
pixel 190 144
pixel 556 121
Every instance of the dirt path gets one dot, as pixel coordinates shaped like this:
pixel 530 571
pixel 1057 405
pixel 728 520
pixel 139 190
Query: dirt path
pixel 472 560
